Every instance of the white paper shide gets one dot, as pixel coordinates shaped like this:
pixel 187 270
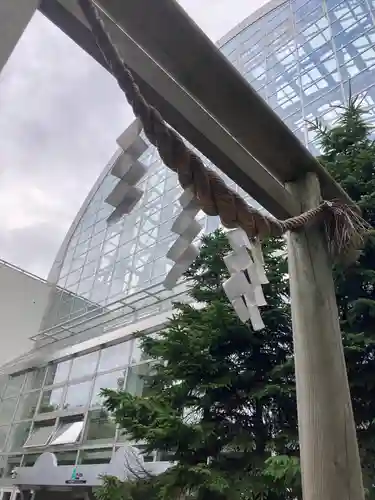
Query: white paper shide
pixel 183 252
pixel 247 275
pixel 130 171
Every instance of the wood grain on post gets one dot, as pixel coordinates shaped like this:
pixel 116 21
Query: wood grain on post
pixel 329 450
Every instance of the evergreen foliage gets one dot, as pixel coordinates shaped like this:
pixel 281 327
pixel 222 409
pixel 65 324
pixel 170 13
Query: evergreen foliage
pixel 220 398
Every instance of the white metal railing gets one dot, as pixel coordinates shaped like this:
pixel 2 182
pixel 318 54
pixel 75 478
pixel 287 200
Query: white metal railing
pixel 134 307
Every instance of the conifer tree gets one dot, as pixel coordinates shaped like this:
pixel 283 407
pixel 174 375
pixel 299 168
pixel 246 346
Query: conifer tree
pixel 220 398
pixel 348 153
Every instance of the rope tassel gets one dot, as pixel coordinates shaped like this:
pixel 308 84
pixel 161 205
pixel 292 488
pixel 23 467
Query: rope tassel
pixel 345 229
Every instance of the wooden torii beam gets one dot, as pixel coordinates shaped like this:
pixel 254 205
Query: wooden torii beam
pixel 179 109
pixel 329 450
pixel 180 47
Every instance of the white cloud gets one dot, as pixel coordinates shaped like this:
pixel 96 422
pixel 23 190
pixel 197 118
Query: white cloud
pixel 60 116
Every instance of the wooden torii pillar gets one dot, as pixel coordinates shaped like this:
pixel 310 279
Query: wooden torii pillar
pixel 329 454
pixel 329 451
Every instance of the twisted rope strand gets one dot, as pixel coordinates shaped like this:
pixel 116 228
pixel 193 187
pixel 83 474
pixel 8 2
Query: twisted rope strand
pixel 213 195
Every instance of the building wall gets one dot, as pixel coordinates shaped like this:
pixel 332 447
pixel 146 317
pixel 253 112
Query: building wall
pixel 58 404
pixel 23 299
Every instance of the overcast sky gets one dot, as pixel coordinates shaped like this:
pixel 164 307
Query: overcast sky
pixel 60 115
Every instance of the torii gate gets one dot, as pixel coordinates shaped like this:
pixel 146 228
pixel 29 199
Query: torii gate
pixel 330 461
pixel 291 182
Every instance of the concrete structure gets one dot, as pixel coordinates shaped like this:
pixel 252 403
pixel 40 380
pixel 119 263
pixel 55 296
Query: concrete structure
pixel 23 300
pixel 109 278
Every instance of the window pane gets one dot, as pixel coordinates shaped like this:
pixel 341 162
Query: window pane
pixel 3 383
pixel 14 386
pixel 114 356
pixel 135 382
pixel 77 395
pixel 51 400
pixel 68 433
pixel 84 365
pixel 58 373
pixel 18 436
pixel 102 456
pixel 137 354
pixel 66 458
pixel 40 436
pixel 100 425
pixel 3 435
pixel 27 406
pixel 34 379
pixel 7 407
pixel 114 380
pixel 29 460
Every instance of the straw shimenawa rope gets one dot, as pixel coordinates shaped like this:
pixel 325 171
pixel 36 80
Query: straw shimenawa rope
pixel 344 227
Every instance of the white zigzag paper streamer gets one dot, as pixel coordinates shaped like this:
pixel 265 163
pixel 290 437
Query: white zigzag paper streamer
pixel 183 252
pixel 127 167
pixel 244 287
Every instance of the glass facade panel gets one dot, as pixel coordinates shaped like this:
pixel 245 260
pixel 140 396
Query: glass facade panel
pixel 135 381
pixel 18 436
pixel 100 426
pixel 7 407
pixel 58 373
pixel 78 395
pixel 114 356
pixel 67 432
pixel 84 366
pixel 3 434
pixel 13 387
pixel 138 354
pixel 113 380
pixel 40 435
pixel 99 456
pixel 3 382
pixel 66 457
pixel 27 405
pixel 30 459
pixel 51 400
pixel 34 379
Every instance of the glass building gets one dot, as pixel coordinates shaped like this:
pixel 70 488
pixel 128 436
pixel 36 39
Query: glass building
pixel 304 58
